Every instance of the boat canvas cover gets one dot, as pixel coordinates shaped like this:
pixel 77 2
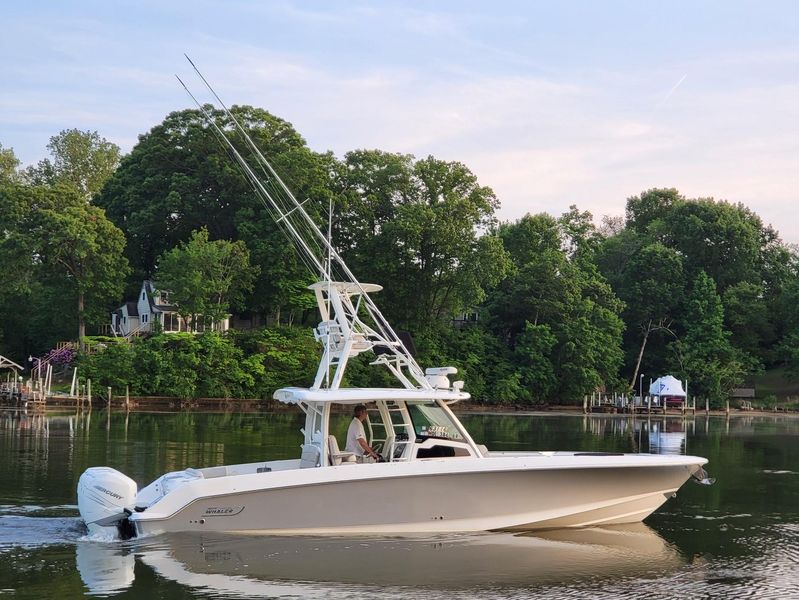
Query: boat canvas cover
pixel 294 395
pixel 666 386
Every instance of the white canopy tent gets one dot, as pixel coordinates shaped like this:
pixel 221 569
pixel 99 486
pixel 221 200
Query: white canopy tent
pixel 667 385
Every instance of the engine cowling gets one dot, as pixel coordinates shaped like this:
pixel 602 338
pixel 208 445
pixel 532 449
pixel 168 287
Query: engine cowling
pixel 105 498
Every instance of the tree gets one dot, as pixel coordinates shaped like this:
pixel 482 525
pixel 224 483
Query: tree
pixel 788 348
pixel 667 241
pixel 651 208
pixel 580 235
pixel 746 316
pixel 650 280
pixel 8 165
pixel 179 178
pixel 54 246
pixel 80 248
pixel 421 229
pixel 721 239
pixel 533 354
pixel 81 159
pixel 558 315
pixel 710 362
pixel 205 278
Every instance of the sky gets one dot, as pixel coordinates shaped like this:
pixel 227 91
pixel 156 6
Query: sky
pixel 548 103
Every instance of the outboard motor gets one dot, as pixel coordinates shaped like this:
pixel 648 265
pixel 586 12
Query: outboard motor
pixel 106 498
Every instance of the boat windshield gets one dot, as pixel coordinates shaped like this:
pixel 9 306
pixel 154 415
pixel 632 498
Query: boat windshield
pixel 430 421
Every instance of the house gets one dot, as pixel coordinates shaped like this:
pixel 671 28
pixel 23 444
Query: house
pixel 125 319
pixel 152 306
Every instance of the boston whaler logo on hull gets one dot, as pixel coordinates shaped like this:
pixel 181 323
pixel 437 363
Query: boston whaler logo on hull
pixel 222 511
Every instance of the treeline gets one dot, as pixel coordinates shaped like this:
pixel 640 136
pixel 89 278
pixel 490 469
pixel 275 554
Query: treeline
pixel 541 310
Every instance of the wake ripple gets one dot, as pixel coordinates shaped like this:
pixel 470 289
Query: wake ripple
pixel 18 531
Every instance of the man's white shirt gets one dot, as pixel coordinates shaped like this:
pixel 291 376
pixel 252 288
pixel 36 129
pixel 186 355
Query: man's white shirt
pixel 354 433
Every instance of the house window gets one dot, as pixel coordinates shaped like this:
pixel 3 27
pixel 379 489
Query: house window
pixel 164 297
pixel 142 295
pixel 144 318
pixel 171 322
pixel 125 320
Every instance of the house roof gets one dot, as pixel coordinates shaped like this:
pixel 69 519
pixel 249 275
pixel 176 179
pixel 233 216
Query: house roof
pixel 150 288
pixel 133 309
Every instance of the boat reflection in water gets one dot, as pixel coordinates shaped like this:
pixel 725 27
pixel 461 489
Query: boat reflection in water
pixel 256 566
pixel 655 435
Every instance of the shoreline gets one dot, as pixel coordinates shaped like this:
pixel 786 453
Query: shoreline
pixel 156 404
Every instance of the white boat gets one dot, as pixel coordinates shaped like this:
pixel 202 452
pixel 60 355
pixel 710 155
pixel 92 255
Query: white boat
pixel 432 477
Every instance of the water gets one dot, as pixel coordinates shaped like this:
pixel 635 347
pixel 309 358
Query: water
pixel 736 539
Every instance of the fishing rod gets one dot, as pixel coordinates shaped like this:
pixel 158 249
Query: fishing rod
pixel 385 337
pixel 255 180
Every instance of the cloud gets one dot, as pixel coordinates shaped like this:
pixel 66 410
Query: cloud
pixel 451 81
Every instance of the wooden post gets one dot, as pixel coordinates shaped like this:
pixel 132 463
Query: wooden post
pixel 127 398
pixel 585 404
pixel 109 397
pixel 707 407
pixel 728 408
pixel 89 393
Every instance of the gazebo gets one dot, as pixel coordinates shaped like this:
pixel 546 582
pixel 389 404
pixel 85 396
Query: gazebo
pixel 11 387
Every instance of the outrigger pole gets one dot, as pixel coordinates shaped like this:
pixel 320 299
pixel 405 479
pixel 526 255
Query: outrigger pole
pixel 288 211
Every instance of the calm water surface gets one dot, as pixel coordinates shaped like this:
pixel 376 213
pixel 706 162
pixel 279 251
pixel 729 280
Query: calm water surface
pixel 736 539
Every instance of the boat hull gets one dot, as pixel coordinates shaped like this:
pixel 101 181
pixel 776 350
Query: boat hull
pixel 503 493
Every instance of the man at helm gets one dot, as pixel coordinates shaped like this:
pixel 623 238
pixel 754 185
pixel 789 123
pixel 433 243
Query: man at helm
pixel 356 436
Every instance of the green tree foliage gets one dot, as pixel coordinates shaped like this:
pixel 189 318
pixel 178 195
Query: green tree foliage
pixel 241 365
pixel 179 178
pixel 532 354
pixel 415 227
pixel 64 259
pixel 788 313
pixel 709 360
pixel 746 315
pixel 558 314
pixel 483 360
pixel 83 160
pixel 667 242
pixel 205 278
pixel 289 356
pixel 82 249
pixel 699 287
pixel 9 163
pixel 650 280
